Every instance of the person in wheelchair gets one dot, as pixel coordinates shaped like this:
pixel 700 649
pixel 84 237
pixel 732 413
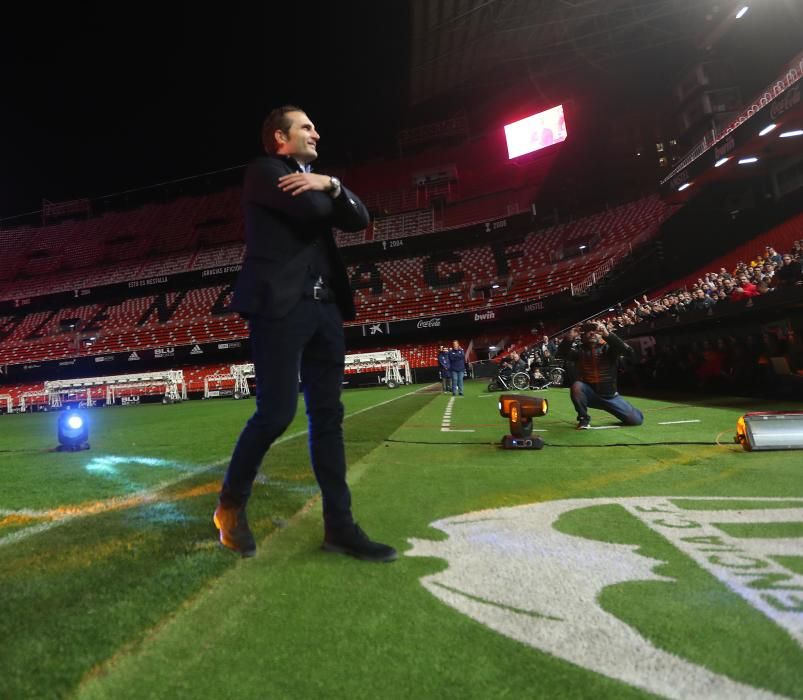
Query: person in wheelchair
pixel 539 380
pixel 512 364
pixel 512 374
pixel 544 370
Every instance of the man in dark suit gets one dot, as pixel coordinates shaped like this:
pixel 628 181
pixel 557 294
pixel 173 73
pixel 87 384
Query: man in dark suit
pixel 294 290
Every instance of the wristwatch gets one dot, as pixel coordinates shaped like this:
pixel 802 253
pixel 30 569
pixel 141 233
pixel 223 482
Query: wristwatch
pixel 335 191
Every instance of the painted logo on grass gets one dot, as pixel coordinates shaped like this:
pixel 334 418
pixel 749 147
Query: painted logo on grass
pixel 512 570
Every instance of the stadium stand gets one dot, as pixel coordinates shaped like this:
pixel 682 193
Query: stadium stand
pixel 411 223
pixel 116 246
pixel 780 237
pixel 719 281
pixel 610 236
pixel 393 201
pixel 221 255
pixel 540 265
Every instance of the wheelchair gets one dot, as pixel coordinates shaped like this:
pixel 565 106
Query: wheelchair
pixel 545 377
pixel 508 382
pixel 539 378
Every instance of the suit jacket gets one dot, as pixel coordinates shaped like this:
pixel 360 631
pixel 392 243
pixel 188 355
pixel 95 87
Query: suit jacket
pixel 284 236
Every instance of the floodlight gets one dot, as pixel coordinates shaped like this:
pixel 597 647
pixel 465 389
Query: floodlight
pixel 520 411
pixel 771 430
pixel 73 432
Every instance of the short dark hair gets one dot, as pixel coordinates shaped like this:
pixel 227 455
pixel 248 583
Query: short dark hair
pixel 277 119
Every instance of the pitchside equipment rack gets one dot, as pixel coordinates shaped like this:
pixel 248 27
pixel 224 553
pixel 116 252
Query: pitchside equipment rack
pixel 238 374
pixel 175 389
pixel 396 368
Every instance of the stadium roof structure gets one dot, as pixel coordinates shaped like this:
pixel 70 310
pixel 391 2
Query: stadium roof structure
pixel 767 133
pixel 475 42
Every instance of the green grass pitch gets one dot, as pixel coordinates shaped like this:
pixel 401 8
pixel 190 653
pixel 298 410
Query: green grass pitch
pixel 614 563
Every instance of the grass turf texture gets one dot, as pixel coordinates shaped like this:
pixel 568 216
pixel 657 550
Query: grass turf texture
pixel 137 602
pixel 73 594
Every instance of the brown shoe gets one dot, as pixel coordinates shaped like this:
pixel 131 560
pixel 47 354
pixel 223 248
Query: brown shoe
pixel 234 531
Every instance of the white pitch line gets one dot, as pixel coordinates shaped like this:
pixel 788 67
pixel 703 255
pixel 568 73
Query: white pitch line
pixel 150 495
pixel 446 421
pixel 603 427
pixel 678 422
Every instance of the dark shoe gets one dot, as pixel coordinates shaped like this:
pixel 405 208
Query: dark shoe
pixel 234 531
pixel 583 423
pixel 352 540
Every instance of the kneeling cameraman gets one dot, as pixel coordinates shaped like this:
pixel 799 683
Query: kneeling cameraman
pixel 596 362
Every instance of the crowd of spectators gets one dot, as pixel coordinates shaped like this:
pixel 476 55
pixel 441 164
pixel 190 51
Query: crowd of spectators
pixel 754 364
pixel 768 363
pixel 763 275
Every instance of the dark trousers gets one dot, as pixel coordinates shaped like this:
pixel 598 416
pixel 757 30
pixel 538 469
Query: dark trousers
pixel 584 396
pixel 308 341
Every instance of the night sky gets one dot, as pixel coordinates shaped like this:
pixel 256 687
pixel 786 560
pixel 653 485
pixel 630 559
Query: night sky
pixel 102 99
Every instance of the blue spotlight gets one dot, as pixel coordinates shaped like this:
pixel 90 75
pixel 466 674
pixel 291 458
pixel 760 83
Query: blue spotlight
pixel 73 432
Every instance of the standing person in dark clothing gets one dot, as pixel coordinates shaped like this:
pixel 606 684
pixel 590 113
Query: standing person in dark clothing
pixel 457 367
pixel 294 290
pixel 544 351
pixel 790 273
pixel 596 362
pixel 443 367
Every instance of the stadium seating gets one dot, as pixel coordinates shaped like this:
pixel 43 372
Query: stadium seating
pixel 533 276
pixel 412 223
pixel 33 392
pixel 217 256
pixel 537 273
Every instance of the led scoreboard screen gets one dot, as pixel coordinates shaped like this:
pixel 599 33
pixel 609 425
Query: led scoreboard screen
pixel 535 132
